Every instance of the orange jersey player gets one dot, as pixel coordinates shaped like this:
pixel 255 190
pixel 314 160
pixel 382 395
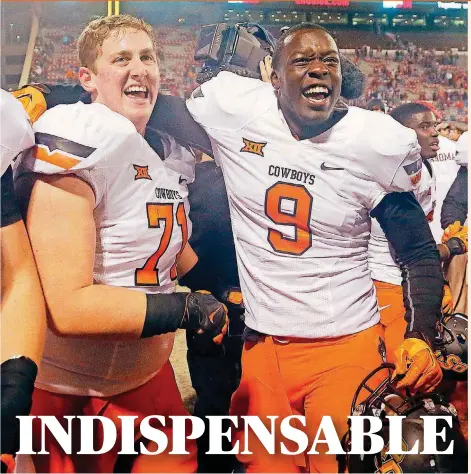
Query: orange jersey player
pixel 304 172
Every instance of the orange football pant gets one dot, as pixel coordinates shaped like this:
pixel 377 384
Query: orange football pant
pixel 307 377
pixel 159 396
pixel 391 315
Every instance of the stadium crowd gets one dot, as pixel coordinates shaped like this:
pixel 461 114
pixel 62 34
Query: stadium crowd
pixel 397 73
pixel 345 245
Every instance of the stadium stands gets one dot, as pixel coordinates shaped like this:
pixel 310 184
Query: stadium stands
pixel 399 67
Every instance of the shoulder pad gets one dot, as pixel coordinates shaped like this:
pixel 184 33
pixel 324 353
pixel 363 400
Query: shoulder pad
pixel 81 136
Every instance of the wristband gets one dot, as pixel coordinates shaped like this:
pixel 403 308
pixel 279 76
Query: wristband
pixel 164 313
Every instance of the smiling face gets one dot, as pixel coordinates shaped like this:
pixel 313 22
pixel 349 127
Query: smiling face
pixel 307 78
pixel 125 76
pixel 425 125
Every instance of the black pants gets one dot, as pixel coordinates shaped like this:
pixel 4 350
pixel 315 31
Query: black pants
pixel 215 375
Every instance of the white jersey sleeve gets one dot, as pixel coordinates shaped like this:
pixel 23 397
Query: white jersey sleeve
pixel 17 134
pixel 392 155
pixel 80 139
pixel 462 149
pixel 221 103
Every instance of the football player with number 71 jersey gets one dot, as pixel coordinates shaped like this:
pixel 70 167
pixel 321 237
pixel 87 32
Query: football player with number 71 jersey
pixel 108 222
pixel 303 173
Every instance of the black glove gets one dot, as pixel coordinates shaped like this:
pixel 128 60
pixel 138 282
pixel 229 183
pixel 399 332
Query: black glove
pixel 198 311
pixel 17 382
pixel 205 315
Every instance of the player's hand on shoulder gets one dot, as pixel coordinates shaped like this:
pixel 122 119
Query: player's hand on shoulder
pixel 416 361
pixel 32 99
pixel 206 316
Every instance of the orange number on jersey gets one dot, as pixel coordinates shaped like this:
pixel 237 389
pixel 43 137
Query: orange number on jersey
pixel 156 215
pixel 299 218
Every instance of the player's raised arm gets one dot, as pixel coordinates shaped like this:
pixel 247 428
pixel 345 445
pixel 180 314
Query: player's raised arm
pixel 169 115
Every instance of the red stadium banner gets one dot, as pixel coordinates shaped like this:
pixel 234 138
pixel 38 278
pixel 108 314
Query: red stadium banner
pixel 324 3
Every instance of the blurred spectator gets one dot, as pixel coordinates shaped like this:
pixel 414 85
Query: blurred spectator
pixel 376 105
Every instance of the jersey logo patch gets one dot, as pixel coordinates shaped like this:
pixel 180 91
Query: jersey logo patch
pixel 324 167
pixel 414 170
pixel 142 172
pixel 59 151
pixel 253 147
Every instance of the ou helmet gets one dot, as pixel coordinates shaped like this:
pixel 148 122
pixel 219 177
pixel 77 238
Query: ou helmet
pixel 387 400
pixel 451 348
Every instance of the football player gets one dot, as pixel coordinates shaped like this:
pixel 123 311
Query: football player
pixel 307 288
pixel 385 271
pixel 108 222
pixel 22 302
pixel 304 172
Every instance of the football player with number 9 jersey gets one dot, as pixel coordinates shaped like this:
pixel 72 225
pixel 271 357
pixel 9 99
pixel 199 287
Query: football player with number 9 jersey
pixel 108 220
pixel 303 173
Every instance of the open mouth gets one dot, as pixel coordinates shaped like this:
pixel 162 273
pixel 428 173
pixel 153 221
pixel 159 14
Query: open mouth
pixel 318 95
pixel 137 92
pixel 435 146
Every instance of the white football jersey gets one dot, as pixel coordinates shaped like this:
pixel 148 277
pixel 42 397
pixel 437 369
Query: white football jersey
pixel 445 170
pixel 142 225
pixel 17 134
pixel 380 253
pixel 300 209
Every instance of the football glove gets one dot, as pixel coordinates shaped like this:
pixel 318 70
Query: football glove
pixel 232 298
pixel 447 301
pixel 455 237
pixel 205 315
pixel 33 100
pixel 416 361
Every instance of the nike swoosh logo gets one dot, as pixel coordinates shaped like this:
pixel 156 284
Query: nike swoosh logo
pixel 324 167
pixel 181 180
pixel 383 307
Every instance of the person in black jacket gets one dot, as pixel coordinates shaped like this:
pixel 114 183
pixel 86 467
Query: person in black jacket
pixel 215 370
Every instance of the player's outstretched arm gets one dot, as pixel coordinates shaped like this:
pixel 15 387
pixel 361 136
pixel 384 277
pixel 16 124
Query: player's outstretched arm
pixel 406 228
pixel 62 231
pixel 170 114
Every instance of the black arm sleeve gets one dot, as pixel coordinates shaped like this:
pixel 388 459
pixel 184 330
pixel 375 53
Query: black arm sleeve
pixel 455 205
pixel 170 115
pixel 10 210
pixel 405 226
pixel 64 94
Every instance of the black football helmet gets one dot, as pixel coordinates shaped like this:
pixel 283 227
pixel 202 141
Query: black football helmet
pixel 451 348
pixel 387 400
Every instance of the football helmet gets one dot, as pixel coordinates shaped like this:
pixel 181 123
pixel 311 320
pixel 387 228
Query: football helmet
pixel 451 348
pixel 387 400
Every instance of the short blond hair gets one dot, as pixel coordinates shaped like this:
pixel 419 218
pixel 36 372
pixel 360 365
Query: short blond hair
pixel 92 37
